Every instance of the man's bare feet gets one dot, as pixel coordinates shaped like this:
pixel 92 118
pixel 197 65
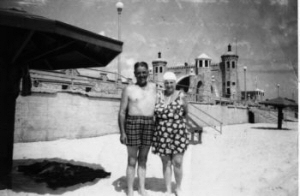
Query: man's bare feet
pixel 130 193
pixel 143 193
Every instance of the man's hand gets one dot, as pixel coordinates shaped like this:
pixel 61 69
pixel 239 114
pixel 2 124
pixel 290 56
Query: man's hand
pixel 123 138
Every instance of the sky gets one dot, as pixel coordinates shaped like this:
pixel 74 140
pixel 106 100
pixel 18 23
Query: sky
pixel 264 33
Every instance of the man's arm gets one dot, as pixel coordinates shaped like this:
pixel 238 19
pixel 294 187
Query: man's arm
pixel 122 115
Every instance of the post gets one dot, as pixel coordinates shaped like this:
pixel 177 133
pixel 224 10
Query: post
pixel 10 76
pixel 213 85
pixel 278 85
pixel 280 117
pixel 245 85
pixel 119 7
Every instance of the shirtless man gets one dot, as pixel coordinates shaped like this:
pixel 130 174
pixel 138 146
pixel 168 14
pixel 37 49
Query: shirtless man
pixel 136 123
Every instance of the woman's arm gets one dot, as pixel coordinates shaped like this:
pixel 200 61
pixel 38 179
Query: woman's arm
pixel 183 98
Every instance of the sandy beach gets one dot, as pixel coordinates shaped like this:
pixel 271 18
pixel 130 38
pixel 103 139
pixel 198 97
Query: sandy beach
pixel 246 160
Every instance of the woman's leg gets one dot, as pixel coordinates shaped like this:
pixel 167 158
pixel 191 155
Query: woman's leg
pixel 177 160
pixel 167 171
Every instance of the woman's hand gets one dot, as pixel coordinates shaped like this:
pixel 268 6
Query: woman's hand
pixel 183 98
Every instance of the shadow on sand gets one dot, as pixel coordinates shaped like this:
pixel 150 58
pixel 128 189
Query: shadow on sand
pixel 271 128
pixel 152 184
pixel 54 176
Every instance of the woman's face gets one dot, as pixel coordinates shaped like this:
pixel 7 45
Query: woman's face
pixel 170 85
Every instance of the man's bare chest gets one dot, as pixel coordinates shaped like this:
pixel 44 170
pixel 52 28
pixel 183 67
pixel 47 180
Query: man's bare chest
pixel 140 95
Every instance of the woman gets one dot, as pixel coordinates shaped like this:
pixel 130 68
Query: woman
pixel 170 137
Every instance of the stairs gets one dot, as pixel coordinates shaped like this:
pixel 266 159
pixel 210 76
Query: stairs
pixel 195 131
pixel 267 115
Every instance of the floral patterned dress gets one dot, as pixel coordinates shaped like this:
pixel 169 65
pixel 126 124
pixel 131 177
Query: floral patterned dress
pixel 170 136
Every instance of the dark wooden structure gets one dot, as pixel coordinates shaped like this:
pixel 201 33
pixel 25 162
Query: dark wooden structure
pixel 33 42
pixel 280 103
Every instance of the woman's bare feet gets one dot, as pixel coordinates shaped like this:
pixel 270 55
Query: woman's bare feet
pixel 178 192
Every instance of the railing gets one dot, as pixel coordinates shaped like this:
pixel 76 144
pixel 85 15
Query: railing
pixel 197 98
pixel 115 74
pixel 267 114
pixel 210 125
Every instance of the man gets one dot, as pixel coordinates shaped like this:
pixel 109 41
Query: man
pixel 136 123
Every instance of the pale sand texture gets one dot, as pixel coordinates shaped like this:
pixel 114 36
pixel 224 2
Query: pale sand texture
pixel 246 160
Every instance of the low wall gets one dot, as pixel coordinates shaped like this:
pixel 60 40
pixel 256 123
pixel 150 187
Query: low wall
pixel 43 117
pixel 51 116
pixel 226 114
pixel 271 116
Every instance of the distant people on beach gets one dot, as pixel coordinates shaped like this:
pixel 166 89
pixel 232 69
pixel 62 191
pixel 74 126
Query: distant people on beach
pixel 170 139
pixel 136 123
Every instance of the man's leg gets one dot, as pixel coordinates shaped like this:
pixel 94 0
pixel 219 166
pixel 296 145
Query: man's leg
pixel 142 161
pixel 130 172
pixel 177 166
pixel 167 171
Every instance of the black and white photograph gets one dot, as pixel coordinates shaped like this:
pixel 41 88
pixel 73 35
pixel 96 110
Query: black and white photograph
pixel 149 97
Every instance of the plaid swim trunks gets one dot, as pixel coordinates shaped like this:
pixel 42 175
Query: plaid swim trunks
pixel 139 130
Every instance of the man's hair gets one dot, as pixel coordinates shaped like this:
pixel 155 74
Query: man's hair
pixel 140 64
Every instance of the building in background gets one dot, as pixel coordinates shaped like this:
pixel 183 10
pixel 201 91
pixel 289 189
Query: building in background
pixel 88 82
pixel 253 96
pixel 204 81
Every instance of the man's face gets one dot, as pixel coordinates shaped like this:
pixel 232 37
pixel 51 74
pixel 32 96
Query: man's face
pixel 141 74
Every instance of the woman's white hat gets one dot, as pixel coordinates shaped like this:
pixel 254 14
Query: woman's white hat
pixel 169 76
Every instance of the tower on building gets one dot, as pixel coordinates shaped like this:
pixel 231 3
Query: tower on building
pixel 202 62
pixel 201 82
pixel 159 68
pixel 229 73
